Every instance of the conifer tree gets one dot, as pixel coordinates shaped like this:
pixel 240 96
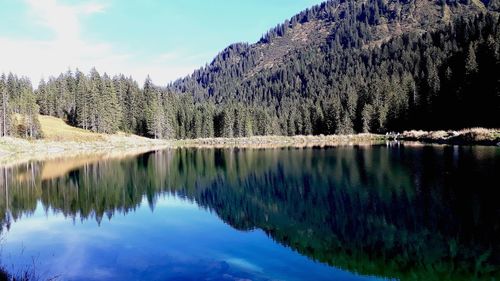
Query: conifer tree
pixel 111 111
pixel 4 108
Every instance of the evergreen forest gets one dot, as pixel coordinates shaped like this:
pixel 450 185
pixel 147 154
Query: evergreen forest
pixel 341 67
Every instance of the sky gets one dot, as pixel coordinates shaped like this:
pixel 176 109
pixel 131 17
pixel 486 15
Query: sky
pixel 166 39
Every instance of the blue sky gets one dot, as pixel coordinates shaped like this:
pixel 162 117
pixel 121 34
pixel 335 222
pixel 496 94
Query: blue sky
pixel 167 39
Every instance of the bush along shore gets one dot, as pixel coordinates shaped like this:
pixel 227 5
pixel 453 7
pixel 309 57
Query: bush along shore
pixel 475 136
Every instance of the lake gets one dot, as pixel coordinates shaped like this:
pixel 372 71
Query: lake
pixel 397 211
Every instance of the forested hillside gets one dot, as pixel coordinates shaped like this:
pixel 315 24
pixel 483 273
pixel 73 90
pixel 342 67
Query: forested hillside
pixel 340 67
pixel 357 66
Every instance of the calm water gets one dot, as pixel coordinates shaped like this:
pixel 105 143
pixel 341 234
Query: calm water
pixel 388 212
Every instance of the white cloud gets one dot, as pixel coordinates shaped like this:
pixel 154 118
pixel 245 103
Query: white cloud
pixel 92 8
pixel 68 48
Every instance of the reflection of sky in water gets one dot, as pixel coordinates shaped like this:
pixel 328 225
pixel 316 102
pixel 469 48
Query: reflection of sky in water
pixel 178 241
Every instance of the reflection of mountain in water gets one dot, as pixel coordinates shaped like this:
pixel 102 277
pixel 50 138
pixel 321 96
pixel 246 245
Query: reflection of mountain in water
pixel 425 213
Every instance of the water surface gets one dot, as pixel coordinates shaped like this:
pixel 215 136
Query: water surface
pixel 388 212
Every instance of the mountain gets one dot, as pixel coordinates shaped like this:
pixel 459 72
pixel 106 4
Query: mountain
pixel 377 65
pixel 341 67
pixel 351 24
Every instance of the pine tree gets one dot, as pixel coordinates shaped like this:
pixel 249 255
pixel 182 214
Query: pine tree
pixel 31 114
pixel 248 130
pixel 208 120
pixel 42 98
pixel 83 102
pixel 95 106
pixel 367 117
pixel 471 62
pixel 227 123
pixel 156 121
pixel 4 108
pixel 111 111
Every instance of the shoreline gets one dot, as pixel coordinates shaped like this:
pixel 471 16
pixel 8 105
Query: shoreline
pixel 281 141
pixel 14 151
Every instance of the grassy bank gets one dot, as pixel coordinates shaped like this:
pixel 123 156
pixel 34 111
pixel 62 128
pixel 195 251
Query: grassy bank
pixel 62 140
pixel 14 150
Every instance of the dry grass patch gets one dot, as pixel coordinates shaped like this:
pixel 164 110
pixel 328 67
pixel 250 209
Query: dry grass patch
pixel 62 140
pixel 55 129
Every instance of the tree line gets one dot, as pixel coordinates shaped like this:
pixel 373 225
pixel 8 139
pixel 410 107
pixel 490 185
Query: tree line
pixel 103 104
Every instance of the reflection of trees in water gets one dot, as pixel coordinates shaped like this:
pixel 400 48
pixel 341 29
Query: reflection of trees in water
pixel 19 192
pixel 399 212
